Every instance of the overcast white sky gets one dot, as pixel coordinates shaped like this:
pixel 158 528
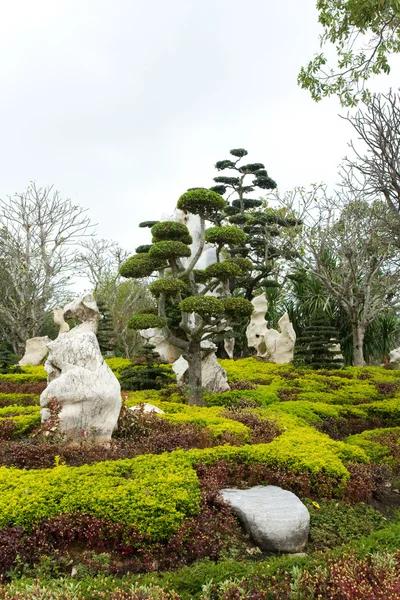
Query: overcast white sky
pixel 124 104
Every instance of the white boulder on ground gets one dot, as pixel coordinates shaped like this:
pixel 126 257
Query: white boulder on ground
pixel 35 351
pixel 275 518
pixel 80 380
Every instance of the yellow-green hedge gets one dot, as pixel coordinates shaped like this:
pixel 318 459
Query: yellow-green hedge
pixel 153 493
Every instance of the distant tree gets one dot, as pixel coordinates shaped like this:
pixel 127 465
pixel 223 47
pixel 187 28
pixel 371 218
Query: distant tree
pixel 38 235
pixel 187 288
pixel 374 171
pixel 99 261
pixel 364 34
pixel 264 226
pixel 341 244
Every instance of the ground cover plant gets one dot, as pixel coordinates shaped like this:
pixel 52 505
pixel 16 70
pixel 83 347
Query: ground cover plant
pixel 142 517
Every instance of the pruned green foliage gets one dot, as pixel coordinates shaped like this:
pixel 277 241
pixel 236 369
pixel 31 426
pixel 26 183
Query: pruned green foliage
pixel 223 270
pixel 239 307
pixel 139 265
pixel 201 201
pixel 146 321
pixel 171 230
pixel 168 286
pixel 169 249
pixel 225 235
pixel 206 306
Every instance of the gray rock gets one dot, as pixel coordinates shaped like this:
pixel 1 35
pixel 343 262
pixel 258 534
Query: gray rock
pixel 275 518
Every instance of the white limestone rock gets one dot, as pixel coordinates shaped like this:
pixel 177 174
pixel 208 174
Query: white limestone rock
pixel 258 327
pixel 394 358
pixel 275 518
pixel 35 351
pixel 275 346
pixel 213 376
pixel 192 222
pixel 155 336
pixel 147 408
pixel 80 380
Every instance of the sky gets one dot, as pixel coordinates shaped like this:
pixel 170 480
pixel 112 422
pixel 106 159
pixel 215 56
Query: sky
pixel 124 104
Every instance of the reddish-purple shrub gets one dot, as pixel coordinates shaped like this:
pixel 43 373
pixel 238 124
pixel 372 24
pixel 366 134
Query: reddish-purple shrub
pixel 262 430
pixel 288 394
pixel 365 481
pixel 227 474
pixel 242 385
pixel 387 388
pixel 7 429
pixel 11 387
pixel 340 428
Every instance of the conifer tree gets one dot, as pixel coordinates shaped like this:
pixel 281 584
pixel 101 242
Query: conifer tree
pixel 146 371
pixel 105 331
pixel 263 225
pixel 317 346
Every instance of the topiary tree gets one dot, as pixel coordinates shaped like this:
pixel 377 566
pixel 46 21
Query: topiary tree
pixel 105 332
pixel 259 225
pixel 318 345
pixel 180 287
pixel 146 372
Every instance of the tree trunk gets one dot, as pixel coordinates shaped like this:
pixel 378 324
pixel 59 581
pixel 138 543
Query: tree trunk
pixel 193 356
pixel 358 343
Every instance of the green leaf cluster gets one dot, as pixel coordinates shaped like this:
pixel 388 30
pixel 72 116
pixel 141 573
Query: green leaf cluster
pixel 201 201
pixel 205 306
pixel 169 249
pixel 232 236
pixel 171 230
pixel 139 321
pixel 139 265
pixel 167 285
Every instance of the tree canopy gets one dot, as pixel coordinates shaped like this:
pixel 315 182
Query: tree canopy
pixel 364 34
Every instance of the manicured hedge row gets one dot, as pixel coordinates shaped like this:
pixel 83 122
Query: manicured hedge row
pixel 24 418
pixel 23 377
pixel 18 400
pixel 156 493
pixel 153 493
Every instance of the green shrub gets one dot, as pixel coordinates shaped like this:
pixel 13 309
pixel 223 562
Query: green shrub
pixel 139 321
pixel 171 230
pixel 263 396
pixel 335 523
pixel 24 418
pixel 239 307
pixel 168 286
pixel 24 377
pixel 18 400
pixel 168 250
pixel 152 493
pixel 206 306
pixel 140 265
pixel 117 364
pixel 223 270
pixel 201 201
pixel 233 236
